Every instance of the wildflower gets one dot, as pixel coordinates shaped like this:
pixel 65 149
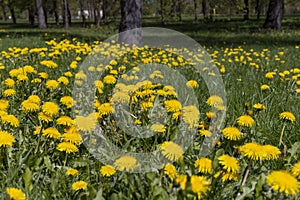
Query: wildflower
pixel 264 87
pixel 171 150
pixel 4 104
pixel 72 136
pixel 15 194
pixel 34 99
pixel 205 133
pixel 160 128
pixel 259 106
pixel 44 117
pixel 172 105
pixel 51 133
pixel 11 120
pixel 88 123
pixel 107 170
pixel 109 79
pixel 49 63
pixel 181 180
pixel 43 75
pixel 270 75
pixel 190 115
pixel 230 176
pixel 232 133
pixel 29 106
pixel 192 84
pixel 296 169
pixel 120 97
pixel 67 101
pixel 105 109
pixel 9 92
pixel 72 172
pixel 170 171
pixel 200 185
pixel 204 165
pixel 214 101
pixel 283 181
pixel 245 120
pixel 210 115
pixel 6 139
pixel 9 83
pixel 50 109
pixel 255 151
pixel 67 147
pixel 52 84
pixel 65 120
pixel 288 116
pixel 126 163
pixel 79 185
pixel 229 164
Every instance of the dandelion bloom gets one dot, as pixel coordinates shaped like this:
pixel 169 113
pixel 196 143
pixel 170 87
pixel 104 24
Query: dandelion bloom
pixel 214 101
pixel 255 151
pixel 296 170
pixel 107 170
pixel 6 139
pixel 105 109
pixel 15 194
pixel 71 135
pixel 34 99
pixel 159 128
pixel 4 104
pixel 52 84
pixel 120 97
pixel 283 181
pixel 79 185
pixel 192 84
pixel 64 80
pixel 259 106
pixel 67 147
pixel 49 63
pixel 11 120
pixel 232 133
pixel 181 180
pixel 200 185
pixel 227 176
pixel 51 133
pixel 9 83
pixel 67 101
pixel 264 87
pixel 109 79
pixel 29 106
pixel 88 123
pixel 170 171
pixel 210 115
pixel 126 163
pixel 288 116
pixel 190 115
pixel 205 133
pixel 45 118
pixel 9 92
pixel 172 105
pixel 72 172
pixel 50 109
pixel 204 165
pixel 65 120
pixel 229 164
pixel 171 150
pixel 245 120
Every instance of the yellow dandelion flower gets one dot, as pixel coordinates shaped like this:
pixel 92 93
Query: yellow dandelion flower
pixel 67 147
pixel 200 185
pixel 192 84
pixel 172 105
pixel 15 194
pixel 288 116
pixel 105 109
pixel 259 106
pixel 67 101
pixel 9 83
pixel 210 115
pixel 255 151
pixel 52 84
pixel 214 101
pixel 264 87
pixel 170 171
pixel 181 179
pixel 270 75
pixel 171 150
pixel 11 120
pixel 6 139
pixel 34 99
pixel 229 164
pixel 271 152
pixel 107 170
pixel 49 63
pixel 205 133
pixel 29 106
pixel 109 79
pixel 245 120
pixel 72 172
pixel 190 115
pixel 227 176
pixel 79 185
pixel 283 181
pixel 88 123
pixel 50 109
pixel 38 130
pixel 65 120
pixel 72 136
pixel 44 117
pixel 296 169
pixel 51 133
pixel 64 80
pixel 120 97
pixel 9 92
pixel 159 128
pixel 4 104
pixel 126 163
pixel 204 165
pixel 232 133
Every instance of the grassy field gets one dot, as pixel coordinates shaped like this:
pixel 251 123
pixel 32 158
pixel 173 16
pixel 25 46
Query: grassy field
pixel 44 130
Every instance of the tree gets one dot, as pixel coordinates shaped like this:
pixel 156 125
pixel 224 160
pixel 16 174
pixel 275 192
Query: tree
pixel 246 10
pixel 131 18
pixel 274 14
pixel 12 11
pixel 41 14
pixel 65 14
pixel 3 7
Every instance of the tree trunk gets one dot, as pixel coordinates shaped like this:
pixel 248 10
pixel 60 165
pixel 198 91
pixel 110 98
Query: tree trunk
pixel 257 9
pixel 41 14
pixel 162 12
pixel 97 13
pixel 55 12
pixel 65 14
pixel 274 14
pixel 195 10
pixel 174 9
pixel 246 10
pixel 205 9
pixel 211 10
pixel 31 16
pixel 69 13
pixel 12 11
pixel 131 18
pixel 4 15
pixel 82 13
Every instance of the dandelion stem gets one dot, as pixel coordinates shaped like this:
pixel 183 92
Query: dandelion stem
pixel 65 162
pixel 246 175
pixel 281 135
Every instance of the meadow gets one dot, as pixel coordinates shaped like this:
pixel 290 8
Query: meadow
pixel 45 131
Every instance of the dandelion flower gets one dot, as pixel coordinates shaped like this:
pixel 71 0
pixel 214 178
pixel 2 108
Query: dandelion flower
pixel 9 92
pixel 65 120
pixel 50 109
pixel 72 172
pixel 109 79
pixel 105 109
pixel 204 165
pixel 45 118
pixel 159 128
pixel 107 170
pixel 49 63
pixel 288 116
pixel 29 106
pixel 15 194
pixel 126 163
pixel 71 135
pixel 245 120
pixel 6 139
pixel 200 185
pixel 67 147
pixel 11 120
pixel 229 164
pixel 79 185
pixel 34 99
pixel 264 87
pixel 205 133
pixel 181 180
pixel 88 123
pixel 9 83
pixel 170 171
pixel 172 105
pixel 64 80
pixel 214 101
pixel 171 150
pixel 232 133
pixel 283 181
pixel 259 106
pixel 230 176
pixel 296 170
pixel 67 101
pixel 192 84
pixel 255 151
pixel 51 133
pixel 4 104
pixel 52 84
pixel 190 115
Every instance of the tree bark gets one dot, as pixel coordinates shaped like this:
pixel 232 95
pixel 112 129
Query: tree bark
pixel 258 9
pixel 97 13
pixel 31 16
pixel 82 13
pixel 54 3
pixel 41 14
pixel 162 12
pixel 246 10
pixel 204 9
pixel 131 18
pixel 12 11
pixel 274 14
pixel 195 10
pixel 65 14
pixel 4 15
